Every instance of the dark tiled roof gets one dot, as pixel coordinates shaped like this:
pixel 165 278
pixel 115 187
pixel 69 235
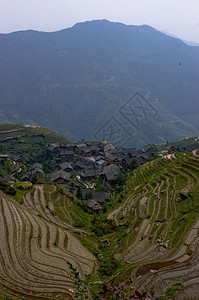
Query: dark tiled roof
pixel 4 155
pixel 86 191
pixel 37 170
pixel 81 145
pixel 60 174
pixel 79 165
pixel 108 147
pixel 99 157
pixel 65 165
pixel 111 172
pixel 9 178
pixel 93 204
pixel 132 151
pixel 101 196
pixel 90 173
pixel 66 152
pixel 26 176
pixel 100 162
pixel 15 157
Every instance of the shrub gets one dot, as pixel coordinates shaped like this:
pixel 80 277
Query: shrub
pixel 7 188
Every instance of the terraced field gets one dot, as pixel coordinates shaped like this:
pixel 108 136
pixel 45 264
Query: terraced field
pixel 163 240
pixel 153 242
pixel 36 246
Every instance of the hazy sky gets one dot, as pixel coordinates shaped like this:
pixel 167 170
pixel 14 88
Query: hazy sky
pixel 178 17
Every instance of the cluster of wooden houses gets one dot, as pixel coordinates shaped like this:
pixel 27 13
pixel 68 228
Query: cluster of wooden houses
pixel 89 160
pixel 83 162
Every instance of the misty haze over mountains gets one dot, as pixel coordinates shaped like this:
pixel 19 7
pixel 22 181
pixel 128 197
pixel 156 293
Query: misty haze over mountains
pixel 132 85
pixel 83 214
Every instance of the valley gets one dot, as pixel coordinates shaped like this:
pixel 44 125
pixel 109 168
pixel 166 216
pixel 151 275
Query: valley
pixel 82 80
pixel 144 240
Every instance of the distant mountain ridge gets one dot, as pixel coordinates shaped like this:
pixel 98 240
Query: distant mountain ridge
pixel 190 43
pixel 83 81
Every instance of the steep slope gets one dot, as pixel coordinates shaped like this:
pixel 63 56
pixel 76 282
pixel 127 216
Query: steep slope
pixel 30 142
pixel 36 248
pixel 161 215
pixel 77 80
pixel 14 131
pixel 147 236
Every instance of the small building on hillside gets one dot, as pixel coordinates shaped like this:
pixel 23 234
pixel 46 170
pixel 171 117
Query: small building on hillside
pixel 100 196
pixel 142 158
pixel 92 204
pixel 65 166
pixel 66 154
pixel 87 174
pixel 111 158
pixel 36 169
pixel 18 158
pixel 111 173
pixel 9 178
pixel 59 177
pixel 26 177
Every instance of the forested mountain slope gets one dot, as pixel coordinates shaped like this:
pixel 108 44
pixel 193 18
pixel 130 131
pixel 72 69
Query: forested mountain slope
pixel 78 82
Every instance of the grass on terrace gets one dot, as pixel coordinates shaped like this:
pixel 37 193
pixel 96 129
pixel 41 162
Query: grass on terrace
pixel 160 174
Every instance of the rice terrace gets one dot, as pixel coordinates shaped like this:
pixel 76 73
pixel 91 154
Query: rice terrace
pixel 99 150
pixel 145 240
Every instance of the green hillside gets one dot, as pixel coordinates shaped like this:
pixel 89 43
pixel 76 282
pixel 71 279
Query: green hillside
pixel 30 142
pixel 14 131
pixel 76 80
pixel 145 240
